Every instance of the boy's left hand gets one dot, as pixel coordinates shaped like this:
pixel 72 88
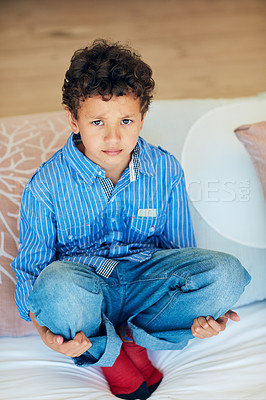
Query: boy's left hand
pixel 207 327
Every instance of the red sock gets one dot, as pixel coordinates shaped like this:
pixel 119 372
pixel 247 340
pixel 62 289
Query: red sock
pixel 124 379
pixel 138 355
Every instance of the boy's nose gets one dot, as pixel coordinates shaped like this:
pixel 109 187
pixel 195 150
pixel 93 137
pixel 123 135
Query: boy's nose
pixel 112 135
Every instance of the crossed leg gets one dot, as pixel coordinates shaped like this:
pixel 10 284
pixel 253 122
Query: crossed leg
pixel 158 299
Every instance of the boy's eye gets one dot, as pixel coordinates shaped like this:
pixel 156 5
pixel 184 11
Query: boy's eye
pixel 126 121
pixel 97 123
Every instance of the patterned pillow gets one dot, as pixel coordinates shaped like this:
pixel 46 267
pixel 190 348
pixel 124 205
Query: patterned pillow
pixel 253 138
pixel 26 142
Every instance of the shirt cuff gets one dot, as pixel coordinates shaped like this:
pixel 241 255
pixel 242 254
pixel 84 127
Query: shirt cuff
pixel 106 268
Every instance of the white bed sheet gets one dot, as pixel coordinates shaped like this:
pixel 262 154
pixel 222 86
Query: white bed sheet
pixel 230 366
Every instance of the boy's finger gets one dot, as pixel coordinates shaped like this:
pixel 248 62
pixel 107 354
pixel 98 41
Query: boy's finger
pixel 55 338
pixel 78 337
pixel 202 333
pixel 204 323
pixel 214 324
pixel 74 349
pixel 51 338
pixel 242 128
pixel 202 329
pixel 82 339
pixel 59 339
pixel 232 315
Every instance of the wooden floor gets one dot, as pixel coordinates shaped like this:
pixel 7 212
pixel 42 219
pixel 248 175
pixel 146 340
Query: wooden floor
pixel 197 48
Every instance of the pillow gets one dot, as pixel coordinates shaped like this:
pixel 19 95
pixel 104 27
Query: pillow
pixel 226 201
pixel 253 137
pixel 221 180
pixel 26 142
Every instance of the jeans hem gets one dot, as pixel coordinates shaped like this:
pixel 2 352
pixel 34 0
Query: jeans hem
pixel 111 351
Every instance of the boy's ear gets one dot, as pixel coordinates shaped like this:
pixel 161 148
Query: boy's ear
pixel 72 121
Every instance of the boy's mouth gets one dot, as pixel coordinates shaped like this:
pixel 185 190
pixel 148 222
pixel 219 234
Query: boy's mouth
pixel 112 152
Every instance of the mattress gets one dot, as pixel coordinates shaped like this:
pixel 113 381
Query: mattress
pixel 229 366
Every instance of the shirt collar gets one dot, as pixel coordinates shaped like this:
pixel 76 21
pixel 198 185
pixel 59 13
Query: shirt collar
pixel 141 160
pixel 146 164
pixel 134 164
pixel 79 162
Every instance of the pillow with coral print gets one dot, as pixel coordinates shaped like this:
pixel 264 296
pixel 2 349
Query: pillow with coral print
pixel 26 142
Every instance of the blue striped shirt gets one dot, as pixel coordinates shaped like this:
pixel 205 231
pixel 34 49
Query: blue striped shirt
pixel 70 211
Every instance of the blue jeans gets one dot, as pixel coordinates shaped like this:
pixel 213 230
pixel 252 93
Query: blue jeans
pixel 158 298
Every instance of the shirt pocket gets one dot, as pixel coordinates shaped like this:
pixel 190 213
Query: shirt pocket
pixel 144 227
pixel 82 236
pixel 72 234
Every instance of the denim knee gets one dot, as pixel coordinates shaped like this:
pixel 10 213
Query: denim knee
pixel 66 302
pixel 229 277
pixel 208 285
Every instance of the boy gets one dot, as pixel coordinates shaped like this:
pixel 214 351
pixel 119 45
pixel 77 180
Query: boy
pixel 107 265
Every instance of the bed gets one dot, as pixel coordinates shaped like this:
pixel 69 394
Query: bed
pixel 230 366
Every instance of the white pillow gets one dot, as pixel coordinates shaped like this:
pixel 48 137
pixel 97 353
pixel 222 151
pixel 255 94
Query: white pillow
pixel 227 204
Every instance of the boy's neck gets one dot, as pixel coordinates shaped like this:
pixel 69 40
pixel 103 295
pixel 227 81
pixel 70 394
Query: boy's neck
pixel 115 173
pixel 113 178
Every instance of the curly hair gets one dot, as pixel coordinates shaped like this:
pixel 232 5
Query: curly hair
pixel 106 69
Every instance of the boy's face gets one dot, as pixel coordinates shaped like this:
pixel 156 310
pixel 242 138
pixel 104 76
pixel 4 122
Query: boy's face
pixel 109 131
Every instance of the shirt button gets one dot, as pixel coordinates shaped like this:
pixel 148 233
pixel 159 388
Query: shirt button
pixel 70 236
pixel 113 220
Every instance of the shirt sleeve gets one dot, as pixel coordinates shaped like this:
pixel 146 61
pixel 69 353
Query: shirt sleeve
pixel 178 231
pixel 37 247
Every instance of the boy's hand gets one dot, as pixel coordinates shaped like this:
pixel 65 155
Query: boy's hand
pixel 70 348
pixel 207 327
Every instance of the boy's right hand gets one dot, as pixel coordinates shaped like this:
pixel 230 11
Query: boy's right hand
pixel 70 348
